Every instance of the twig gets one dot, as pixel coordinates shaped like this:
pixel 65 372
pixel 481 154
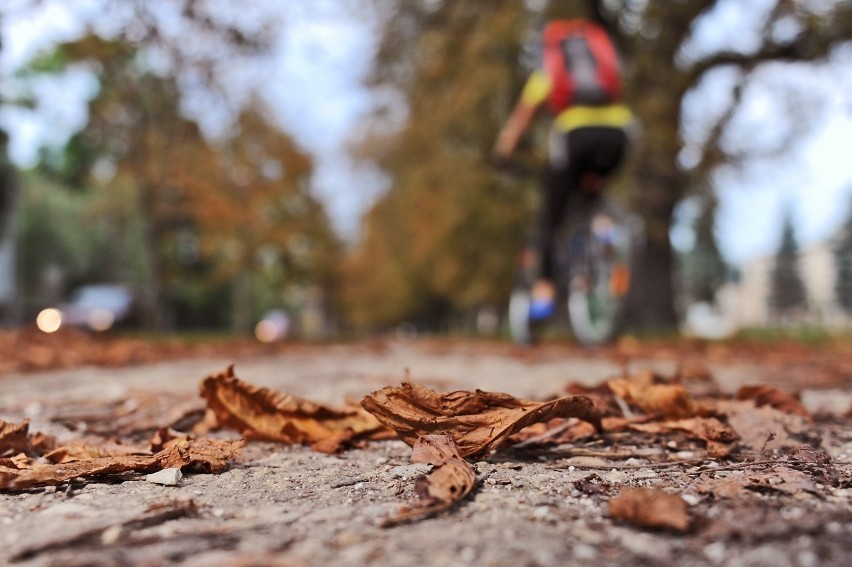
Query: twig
pixel 634 467
pixel 742 466
pixel 546 435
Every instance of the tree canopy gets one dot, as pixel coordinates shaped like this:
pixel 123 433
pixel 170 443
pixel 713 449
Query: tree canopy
pixel 457 66
pixel 225 210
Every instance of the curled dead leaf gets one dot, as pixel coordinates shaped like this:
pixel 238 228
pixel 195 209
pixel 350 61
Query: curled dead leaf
pixel 15 438
pixel 261 413
pixel 197 455
pixel 477 421
pixel 720 437
pixel 450 481
pixel 650 508
pixel 644 392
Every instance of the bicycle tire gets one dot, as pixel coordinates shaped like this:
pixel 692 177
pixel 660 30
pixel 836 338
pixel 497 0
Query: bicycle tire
pixel 599 279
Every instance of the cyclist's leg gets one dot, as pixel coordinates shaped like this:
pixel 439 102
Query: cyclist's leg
pixel 563 178
pixel 558 182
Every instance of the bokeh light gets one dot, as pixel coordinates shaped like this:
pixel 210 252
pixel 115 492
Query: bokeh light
pixel 101 319
pixel 49 320
pixel 267 331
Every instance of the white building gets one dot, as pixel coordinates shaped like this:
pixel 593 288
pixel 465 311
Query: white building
pixel 746 302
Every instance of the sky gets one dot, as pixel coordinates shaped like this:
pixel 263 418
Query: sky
pixel 315 83
pixel 325 52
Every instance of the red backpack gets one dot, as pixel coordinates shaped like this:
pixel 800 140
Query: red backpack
pixel 582 63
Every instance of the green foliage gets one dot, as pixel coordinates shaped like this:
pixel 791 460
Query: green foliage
pixel 787 291
pixel 843 265
pixel 206 216
pixel 79 237
pixel 703 269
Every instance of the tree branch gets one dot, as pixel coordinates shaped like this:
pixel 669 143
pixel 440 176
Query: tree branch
pixel 815 42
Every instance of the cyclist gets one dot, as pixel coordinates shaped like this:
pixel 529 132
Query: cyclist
pixel 580 80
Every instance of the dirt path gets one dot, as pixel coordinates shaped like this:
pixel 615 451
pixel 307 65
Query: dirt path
pixel 283 505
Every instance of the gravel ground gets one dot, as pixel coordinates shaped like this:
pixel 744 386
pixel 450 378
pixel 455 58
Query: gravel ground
pixel 280 505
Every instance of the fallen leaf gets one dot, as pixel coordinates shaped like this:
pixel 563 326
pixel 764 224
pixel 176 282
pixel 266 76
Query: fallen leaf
pixel 82 451
pixel 650 508
pixel 261 413
pixel 477 421
pixel 133 417
pixel 202 455
pixel 450 480
pixel 644 392
pixel 719 437
pixel 196 455
pixel 555 432
pixel 14 438
pixel 769 396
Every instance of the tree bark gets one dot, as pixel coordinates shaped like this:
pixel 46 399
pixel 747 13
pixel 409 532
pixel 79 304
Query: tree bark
pixel 653 300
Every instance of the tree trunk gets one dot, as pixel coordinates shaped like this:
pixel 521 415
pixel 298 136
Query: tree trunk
pixel 652 302
pixel 155 315
pixel 241 303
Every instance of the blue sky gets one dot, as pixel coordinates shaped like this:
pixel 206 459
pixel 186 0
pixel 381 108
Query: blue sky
pixel 315 83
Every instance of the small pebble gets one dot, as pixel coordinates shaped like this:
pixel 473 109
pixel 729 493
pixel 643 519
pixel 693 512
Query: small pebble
pixel 111 535
pixel 691 499
pixel 167 477
pixel 715 552
pixel 585 552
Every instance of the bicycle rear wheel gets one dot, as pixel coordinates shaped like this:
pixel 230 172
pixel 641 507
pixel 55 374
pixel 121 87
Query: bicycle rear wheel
pixel 599 279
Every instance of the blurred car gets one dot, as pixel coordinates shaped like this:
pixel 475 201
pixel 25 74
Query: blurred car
pixel 97 307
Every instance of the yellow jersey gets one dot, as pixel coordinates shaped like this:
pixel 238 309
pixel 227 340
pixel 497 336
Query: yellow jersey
pixel 537 89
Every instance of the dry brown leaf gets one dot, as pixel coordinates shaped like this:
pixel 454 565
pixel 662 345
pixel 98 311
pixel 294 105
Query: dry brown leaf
pixel 450 480
pixel 41 474
pixel 82 451
pixel 650 508
pixel 720 437
pixel 202 455
pixel 14 437
pixel 261 413
pixel 769 396
pixel 555 432
pixel 198 455
pixel 477 421
pixel 644 393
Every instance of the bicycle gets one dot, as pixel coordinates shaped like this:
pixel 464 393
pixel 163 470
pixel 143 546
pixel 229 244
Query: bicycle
pixel 594 252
